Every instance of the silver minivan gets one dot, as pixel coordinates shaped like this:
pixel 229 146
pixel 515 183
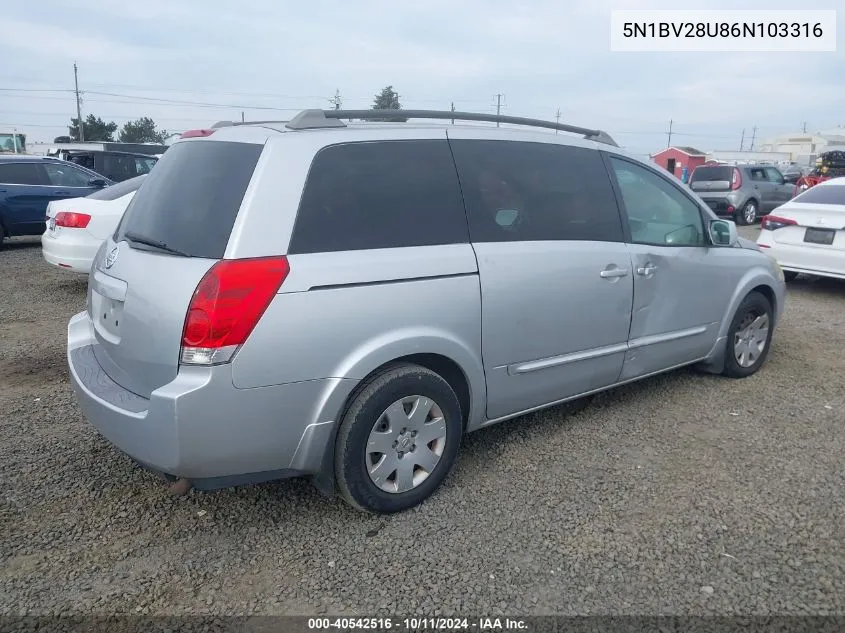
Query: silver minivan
pixel 345 300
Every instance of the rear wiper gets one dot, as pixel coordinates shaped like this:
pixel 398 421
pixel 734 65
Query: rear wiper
pixel 148 241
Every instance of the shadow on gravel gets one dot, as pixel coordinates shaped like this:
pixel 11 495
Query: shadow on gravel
pixel 33 371
pixel 818 285
pixel 21 243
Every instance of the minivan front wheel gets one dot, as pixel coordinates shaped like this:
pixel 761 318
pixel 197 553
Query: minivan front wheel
pixel 398 440
pixel 748 214
pixel 749 336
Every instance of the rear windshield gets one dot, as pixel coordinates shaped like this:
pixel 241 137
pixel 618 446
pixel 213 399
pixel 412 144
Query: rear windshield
pixel 119 190
pixel 190 200
pixel 831 194
pixel 712 173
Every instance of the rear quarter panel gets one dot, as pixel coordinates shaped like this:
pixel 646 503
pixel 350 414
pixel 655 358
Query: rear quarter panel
pixel 343 315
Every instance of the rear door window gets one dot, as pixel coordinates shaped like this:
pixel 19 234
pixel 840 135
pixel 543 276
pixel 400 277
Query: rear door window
pixel 521 191
pixel 385 194
pixel 757 174
pixel 189 202
pixel 20 174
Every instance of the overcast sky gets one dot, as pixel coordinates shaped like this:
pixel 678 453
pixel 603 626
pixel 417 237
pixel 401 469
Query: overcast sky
pixel 155 57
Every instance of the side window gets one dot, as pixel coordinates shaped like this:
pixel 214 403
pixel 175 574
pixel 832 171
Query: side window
pixel 19 174
pixel 65 175
pixel 774 175
pixel 119 167
pixel 144 165
pixel 658 212
pixel 386 194
pixel 757 174
pixel 521 191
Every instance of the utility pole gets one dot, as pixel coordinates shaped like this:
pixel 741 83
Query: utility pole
pixel 336 100
pixel 557 118
pixel 753 136
pixel 669 142
pixel 742 140
pixel 804 128
pixel 242 117
pixel 498 106
pixel 78 104
pixel 453 109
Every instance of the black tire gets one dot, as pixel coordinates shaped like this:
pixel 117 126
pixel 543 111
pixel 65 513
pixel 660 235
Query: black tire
pixel 789 275
pixel 751 208
pixel 351 458
pixel 753 306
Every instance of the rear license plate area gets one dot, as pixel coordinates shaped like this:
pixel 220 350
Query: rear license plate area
pixel 819 236
pixel 106 314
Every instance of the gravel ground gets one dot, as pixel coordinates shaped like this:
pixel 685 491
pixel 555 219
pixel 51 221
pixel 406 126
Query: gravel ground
pixel 684 494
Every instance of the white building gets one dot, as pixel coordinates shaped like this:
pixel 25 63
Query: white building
pixel 802 147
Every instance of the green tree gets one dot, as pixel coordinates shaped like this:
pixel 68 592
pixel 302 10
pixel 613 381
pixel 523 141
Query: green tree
pixel 142 131
pixel 95 129
pixel 388 99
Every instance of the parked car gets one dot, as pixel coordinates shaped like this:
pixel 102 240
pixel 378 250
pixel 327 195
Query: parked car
pixel 76 227
pixel 743 192
pixel 116 166
pixel 346 301
pixel 793 173
pixel 29 183
pixel 808 233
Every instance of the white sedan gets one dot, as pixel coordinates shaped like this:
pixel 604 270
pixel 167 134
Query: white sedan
pixel 76 227
pixel 807 234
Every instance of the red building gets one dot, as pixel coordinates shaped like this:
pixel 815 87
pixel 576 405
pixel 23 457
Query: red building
pixel 674 159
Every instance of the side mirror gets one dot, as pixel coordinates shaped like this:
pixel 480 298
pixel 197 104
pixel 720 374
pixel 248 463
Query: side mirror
pixel 97 182
pixel 723 233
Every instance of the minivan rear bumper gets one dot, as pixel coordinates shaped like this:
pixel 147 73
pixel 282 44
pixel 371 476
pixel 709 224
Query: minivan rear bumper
pixel 201 427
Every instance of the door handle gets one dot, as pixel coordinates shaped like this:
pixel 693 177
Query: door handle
pixel 646 270
pixel 614 272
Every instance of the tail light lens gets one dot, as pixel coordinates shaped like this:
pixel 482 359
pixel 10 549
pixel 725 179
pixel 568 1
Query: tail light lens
pixel 226 306
pixel 773 222
pixel 72 220
pixel 196 133
pixel 736 179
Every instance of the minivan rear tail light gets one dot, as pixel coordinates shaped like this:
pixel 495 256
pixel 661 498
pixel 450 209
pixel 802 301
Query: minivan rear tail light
pixel 72 220
pixel 773 222
pixel 736 179
pixel 226 306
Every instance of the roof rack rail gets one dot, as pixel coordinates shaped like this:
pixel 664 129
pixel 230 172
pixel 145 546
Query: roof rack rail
pixel 316 119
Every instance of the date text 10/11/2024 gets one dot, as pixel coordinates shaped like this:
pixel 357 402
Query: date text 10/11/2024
pixel 417 624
